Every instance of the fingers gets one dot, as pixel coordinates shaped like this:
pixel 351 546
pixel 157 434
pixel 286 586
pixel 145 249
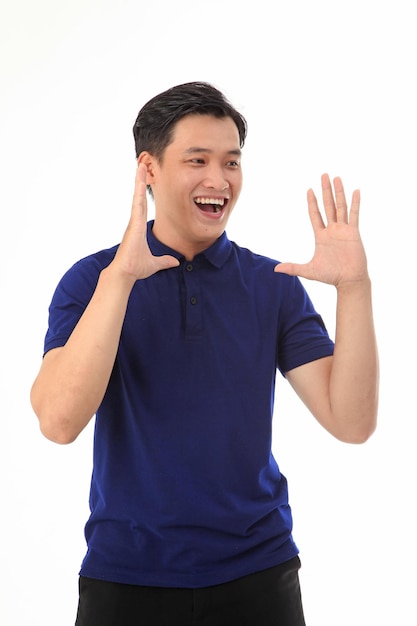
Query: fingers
pixel 334 201
pixel 328 199
pixel 139 204
pixel 354 209
pixel 341 206
pixel 314 211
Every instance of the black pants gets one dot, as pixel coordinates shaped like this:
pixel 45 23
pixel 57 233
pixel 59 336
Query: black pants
pixel 268 598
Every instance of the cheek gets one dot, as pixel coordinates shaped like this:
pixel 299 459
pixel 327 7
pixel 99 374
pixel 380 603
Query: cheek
pixel 191 180
pixel 237 185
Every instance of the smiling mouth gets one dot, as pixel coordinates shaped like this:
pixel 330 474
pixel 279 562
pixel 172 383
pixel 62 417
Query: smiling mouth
pixel 211 205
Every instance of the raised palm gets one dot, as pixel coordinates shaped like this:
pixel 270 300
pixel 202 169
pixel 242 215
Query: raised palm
pixel 339 256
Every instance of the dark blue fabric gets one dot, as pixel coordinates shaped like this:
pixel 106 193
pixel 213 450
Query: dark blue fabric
pixel 185 491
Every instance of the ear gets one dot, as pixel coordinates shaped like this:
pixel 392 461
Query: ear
pixel 150 162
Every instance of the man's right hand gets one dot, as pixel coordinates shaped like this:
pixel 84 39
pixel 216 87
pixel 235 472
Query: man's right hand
pixel 72 379
pixel 134 258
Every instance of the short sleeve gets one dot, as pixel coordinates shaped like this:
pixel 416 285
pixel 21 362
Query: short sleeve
pixel 303 336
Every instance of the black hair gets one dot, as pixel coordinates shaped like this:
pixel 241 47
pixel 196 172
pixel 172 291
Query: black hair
pixel 154 126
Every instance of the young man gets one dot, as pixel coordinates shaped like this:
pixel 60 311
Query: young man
pixel 173 339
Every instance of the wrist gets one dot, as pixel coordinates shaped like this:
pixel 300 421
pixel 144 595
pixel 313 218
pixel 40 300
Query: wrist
pixel 354 286
pixel 113 276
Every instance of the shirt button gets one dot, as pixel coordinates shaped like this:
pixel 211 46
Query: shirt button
pixel 189 267
pixel 193 300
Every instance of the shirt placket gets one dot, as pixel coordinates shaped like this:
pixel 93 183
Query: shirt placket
pixel 193 300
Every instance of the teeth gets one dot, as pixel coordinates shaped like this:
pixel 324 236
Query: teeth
pixel 216 201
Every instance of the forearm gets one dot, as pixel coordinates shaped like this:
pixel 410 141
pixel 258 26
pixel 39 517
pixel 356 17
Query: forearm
pixel 72 380
pixel 354 378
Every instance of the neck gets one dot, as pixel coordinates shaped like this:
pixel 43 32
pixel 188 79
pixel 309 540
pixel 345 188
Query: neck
pixel 187 249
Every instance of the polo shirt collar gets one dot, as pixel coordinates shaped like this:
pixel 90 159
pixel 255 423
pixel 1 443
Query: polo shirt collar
pixel 217 254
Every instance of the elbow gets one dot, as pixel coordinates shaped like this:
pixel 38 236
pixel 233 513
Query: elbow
pixel 57 432
pixel 54 426
pixel 359 432
pixel 357 422
pixel 358 438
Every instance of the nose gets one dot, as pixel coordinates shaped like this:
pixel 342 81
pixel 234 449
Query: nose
pixel 215 179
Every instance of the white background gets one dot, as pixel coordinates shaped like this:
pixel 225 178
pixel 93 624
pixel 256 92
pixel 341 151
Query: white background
pixel 325 86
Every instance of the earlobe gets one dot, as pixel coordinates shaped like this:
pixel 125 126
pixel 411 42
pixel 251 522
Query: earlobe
pixel 149 161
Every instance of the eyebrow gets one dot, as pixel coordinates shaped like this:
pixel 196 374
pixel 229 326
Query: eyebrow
pixel 197 149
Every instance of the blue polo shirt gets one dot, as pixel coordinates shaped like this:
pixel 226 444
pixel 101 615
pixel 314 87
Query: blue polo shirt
pixel 185 491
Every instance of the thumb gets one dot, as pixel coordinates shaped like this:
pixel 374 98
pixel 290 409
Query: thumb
pixel 166 261
pixel 292 269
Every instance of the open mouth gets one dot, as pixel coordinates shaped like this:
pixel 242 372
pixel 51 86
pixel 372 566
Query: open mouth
pixel 211 205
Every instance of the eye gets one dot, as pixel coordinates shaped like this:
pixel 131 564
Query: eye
pixel 233 164
pixel 197 161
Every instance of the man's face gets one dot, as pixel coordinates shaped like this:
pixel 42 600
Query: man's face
pixel 197 183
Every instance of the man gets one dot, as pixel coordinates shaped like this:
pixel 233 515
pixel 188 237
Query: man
pixel 172 339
